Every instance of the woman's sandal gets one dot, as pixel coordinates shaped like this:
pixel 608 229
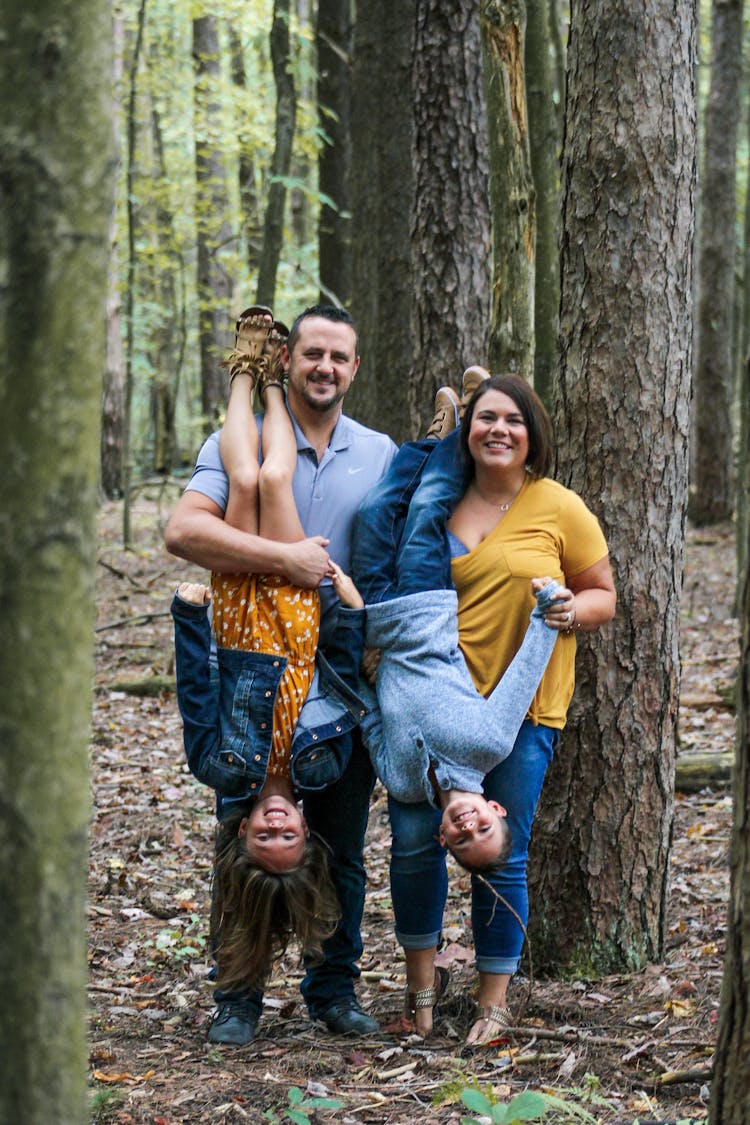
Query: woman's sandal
pixel 252 333
pixel 426 997
pixel 498 1020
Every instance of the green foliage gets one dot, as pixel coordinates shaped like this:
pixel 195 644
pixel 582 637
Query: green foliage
pixel 104 1102
pixel 527 1106
pixel 298 1106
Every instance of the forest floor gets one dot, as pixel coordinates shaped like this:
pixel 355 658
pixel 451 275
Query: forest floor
pixel 625 1048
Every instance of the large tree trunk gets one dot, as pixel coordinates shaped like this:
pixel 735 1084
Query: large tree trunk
pixel 213 231
pixel 273 224
pixel 602 837
pixel 334 41
pixel 730 1090
pixel 712 486
pixel 511 345
pixel 56 170
pixel 545 139
pixel 419 191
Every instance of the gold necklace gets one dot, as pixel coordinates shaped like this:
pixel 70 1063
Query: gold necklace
pixel 492 503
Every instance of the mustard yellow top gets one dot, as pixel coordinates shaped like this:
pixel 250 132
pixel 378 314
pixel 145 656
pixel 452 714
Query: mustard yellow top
pixel 548 530
pixel 264 613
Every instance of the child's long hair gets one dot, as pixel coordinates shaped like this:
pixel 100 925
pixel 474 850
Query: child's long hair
pixel 255 913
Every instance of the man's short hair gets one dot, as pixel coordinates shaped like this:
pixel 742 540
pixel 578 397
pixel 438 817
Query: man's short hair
pixel 327 312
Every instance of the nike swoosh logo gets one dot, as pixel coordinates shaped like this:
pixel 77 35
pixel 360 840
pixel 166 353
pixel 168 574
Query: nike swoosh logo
pixel 353 471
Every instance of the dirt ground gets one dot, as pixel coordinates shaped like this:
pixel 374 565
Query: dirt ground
pixel 623 1047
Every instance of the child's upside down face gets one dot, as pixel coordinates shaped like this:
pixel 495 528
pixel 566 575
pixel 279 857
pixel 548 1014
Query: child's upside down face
pixel 473 829
pixel 275 834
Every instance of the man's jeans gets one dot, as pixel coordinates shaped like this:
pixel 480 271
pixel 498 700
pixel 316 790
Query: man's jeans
pixel 419 882
pixel 400 543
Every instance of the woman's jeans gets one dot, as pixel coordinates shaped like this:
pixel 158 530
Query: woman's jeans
pixel 419 882
pixel 400 545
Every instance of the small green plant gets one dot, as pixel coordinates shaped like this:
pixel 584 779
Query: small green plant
pixel 528 1106
pixel 105 1101
pixel 298 1105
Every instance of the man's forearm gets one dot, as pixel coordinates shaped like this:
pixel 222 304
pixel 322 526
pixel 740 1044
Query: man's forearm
pixel 208 541
pixel 212 543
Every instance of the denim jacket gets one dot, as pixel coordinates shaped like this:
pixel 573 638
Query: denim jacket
pixel 228 733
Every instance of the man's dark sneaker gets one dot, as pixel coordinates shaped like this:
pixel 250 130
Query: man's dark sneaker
pixel 234 1022
pixel 345 1017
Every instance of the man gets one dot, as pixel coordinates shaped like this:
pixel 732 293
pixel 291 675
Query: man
pixel 338 461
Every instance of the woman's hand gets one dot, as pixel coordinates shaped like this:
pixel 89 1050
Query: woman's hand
pixel 561 614
pixel 588 603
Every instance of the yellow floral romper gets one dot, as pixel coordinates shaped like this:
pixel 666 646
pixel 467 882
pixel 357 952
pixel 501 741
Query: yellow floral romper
pixel 264 613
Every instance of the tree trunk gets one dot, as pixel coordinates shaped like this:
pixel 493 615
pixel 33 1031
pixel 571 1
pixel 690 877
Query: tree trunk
pixel 166 348
pixel 56 170
pixel 545 140
pixel 421 220
pixel 730 1089
pixel 558 60
pixel 249 202
pixel 712 486
pixel 113 393
pixel 212 229
pixel 334 42
pixel 743 398
pixel 602 837
pixel 273 225
pixel 511 345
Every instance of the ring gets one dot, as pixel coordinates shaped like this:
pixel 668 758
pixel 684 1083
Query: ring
pixel 568 616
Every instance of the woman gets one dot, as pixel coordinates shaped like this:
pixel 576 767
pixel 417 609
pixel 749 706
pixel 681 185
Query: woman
pixel 511 523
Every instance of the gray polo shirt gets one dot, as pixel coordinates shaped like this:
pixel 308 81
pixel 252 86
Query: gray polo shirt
pixel 327 495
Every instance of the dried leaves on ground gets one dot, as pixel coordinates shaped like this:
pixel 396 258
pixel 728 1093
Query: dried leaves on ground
pixel 624 1047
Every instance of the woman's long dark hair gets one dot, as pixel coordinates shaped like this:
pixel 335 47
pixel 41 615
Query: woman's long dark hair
pixel 256 913
pixel 538 423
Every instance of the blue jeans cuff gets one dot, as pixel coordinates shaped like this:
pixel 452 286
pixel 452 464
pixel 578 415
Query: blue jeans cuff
pixel 417 941
pixel 507 966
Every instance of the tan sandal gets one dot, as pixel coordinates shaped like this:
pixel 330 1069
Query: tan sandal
pixel 252 332
pixel 498 1020
pixel 275 340
pixel 426 997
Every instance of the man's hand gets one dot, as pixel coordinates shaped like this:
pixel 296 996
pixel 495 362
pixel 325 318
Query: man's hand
pixel 306 562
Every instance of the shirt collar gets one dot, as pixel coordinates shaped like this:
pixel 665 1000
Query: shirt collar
pixel 340 438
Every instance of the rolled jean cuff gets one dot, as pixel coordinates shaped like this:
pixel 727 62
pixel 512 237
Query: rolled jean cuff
pixel 418 941
pixel 505 966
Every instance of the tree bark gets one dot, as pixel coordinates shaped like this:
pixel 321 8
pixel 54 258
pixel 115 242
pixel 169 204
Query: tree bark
pixel 545 140
pixel 602 836
pixel 214 283
pixel 511 344
pixel 730 1089
pixel 334 42
pixel 113 393
pixel 421 217
pixel 273 223
pixel 56 186
pixel 712 485
pixel 249 202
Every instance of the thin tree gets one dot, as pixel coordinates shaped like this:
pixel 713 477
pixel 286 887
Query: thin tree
pixel 511 343
pixel 712 484
pixel 273 223
pixel 214 282
pixel 602 836
pixel 545 141
pixel 334 43
pixel 730 1089
pixel 56 187
pixel 420 239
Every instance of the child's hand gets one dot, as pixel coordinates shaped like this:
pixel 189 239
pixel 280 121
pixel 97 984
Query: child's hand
pixel 345 588
pixel 194 592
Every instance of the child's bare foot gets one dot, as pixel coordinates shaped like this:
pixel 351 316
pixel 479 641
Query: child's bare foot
pixel 345 588
pixel 194 592
pixel 538 584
